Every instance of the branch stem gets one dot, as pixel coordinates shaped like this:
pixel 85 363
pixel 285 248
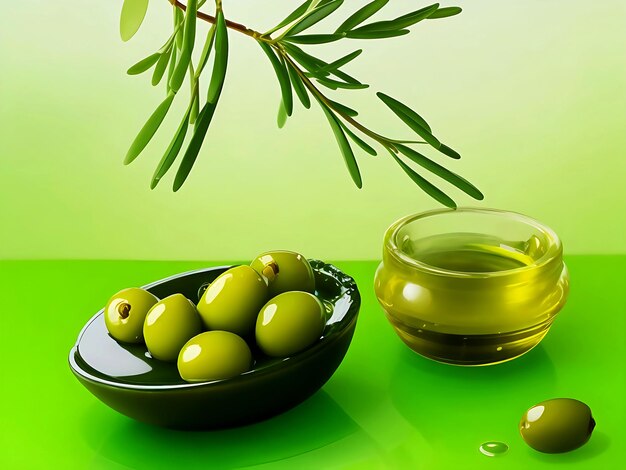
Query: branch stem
pixel 230 24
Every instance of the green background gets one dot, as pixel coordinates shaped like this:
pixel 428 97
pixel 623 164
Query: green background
pixel 533 94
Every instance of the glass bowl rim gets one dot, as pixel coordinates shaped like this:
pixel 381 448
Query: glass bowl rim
pixel 554 251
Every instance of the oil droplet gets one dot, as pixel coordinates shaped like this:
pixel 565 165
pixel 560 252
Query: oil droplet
pixel 493 448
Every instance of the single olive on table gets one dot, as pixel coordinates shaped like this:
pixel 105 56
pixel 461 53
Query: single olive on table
pixel 125 312
pixel 169 324
pixel 557 425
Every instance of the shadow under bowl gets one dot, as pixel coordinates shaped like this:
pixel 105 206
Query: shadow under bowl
pixel 126 378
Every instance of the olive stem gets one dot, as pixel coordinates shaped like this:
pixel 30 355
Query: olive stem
pixel 124 310
pixel 270 271
pixel 230 24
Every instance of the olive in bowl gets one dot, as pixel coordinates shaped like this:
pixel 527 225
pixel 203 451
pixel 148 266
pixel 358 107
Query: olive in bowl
pixel 125 313
pixel 213 355
pixel 289 323
pixel 285 271
pixel 232 301
pixel 137 385
pixel 169 324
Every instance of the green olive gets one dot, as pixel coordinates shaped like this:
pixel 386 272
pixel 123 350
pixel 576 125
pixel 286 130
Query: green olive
pixel 213 355
pixel 285 271
pixel 169 324
pixel 557 425
pixel 125 312
pixel 289 323
pixel 232 301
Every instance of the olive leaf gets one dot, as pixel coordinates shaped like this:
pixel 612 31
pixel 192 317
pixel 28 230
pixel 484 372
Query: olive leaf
pixel 298 86
pixel 449 152
pixel 418 15
pixel 342 61
pixel 357 140
pixel 343 109
pixel 328 85
pixel 417 123
pixel 170 69
pixel 221 58
pixel 189 36
pixel 315 38
pixel 424 184
pixel 334 84
pixel 294 15
pixel 309 62
pixel 282 75
pixel 194 95
pixel 281 119
pixel 407 141
pixel 144 64
pixel 313 17
pixel 445 12
pixel 133 13
pixel 315 66
pixel 148 130
pixel 161 65
pixel 320 3
pixel 397 107
pixel 344 145
pixel 378 34
pixel 191 154
pixel 401 22
pixel 344 76
pixel 410 120
pixel 179 18
pixel 172 151
pixel 442 172
pixel 361 15
pixel 206 50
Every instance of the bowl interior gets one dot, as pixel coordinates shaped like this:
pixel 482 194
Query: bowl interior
pixel 98 357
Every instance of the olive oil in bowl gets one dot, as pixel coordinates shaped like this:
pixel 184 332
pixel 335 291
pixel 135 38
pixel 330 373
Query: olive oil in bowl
pixel 473 296
pixel 469 253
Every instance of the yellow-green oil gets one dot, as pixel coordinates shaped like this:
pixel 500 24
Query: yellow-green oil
pixel 472 253
pixel 466 299
pixel 476 259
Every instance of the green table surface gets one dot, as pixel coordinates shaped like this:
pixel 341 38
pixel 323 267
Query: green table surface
pixel 385 407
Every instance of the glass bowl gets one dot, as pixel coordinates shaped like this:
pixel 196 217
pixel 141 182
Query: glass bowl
pixel 471 286
pixel 129 380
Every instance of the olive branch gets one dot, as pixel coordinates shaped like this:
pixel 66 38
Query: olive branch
pixel 297 71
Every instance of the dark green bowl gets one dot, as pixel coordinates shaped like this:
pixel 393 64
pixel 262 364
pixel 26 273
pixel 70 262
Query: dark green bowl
pixel 127 379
